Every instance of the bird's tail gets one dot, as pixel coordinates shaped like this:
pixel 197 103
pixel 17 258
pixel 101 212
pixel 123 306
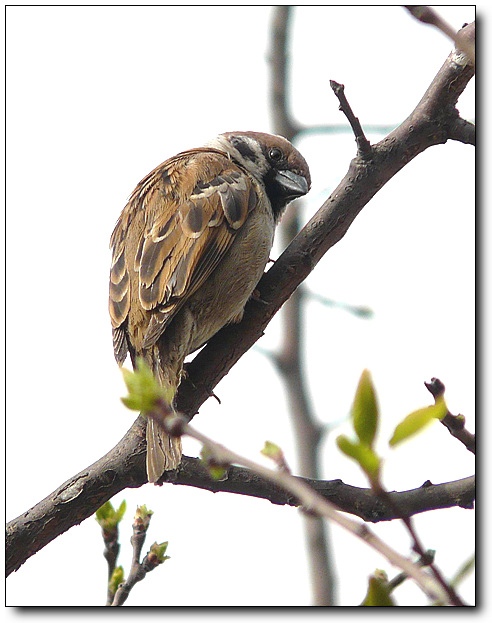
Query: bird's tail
pixel 163 452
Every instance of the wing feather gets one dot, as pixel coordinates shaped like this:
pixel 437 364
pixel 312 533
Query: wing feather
pixel 119 285
pixel 192 205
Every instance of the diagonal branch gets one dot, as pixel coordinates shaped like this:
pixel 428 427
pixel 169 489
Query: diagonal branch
pixel 431 123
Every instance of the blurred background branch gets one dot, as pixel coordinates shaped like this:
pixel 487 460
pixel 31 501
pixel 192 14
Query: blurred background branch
pixel 289 360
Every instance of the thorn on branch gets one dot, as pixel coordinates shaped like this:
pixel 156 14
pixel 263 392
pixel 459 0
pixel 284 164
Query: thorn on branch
pixel 364 148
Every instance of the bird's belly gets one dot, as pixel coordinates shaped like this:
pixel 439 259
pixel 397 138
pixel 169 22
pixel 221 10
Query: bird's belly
pixel 223 297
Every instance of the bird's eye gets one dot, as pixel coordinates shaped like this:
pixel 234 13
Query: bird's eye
pixel 275 154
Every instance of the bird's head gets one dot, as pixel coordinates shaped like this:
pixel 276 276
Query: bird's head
pixel 272 160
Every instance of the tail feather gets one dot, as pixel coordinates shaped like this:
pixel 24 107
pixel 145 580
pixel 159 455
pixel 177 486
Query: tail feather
pixel 163 452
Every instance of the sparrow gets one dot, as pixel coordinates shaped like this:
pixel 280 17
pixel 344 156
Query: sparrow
pixel 188 250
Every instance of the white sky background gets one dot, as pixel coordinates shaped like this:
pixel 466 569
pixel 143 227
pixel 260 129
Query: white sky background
pixel 96 98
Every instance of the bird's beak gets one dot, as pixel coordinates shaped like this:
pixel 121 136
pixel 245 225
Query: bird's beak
pixel 294 185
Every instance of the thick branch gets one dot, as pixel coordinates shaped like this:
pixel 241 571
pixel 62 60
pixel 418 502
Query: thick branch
pixel 78 498
pixel 354 500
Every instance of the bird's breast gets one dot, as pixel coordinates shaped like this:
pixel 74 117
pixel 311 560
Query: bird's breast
pixel 223 296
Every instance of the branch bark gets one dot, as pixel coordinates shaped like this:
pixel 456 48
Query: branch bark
pixel 430 124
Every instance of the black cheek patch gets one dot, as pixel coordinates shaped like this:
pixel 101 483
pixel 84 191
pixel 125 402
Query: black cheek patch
pixel 244 149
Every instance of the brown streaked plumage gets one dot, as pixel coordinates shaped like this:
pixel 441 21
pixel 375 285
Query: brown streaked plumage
pixel 188 250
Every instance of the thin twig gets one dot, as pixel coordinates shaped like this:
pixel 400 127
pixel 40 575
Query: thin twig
pixel 463 131
pixel 363 145
pixel 401 577
pixel 111 551
pixel 361 311
pixel 137 572
pixel 109 519
pixel 452 597
pixel 454 423
pixel 338 128
pixel 427 15
pixel 154 557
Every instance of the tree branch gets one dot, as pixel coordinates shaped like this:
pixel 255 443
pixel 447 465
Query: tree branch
pixel 78 498
pixel 429 124
pixel 282 120
pixel 462 131
pixel 138 570
pixel 354 500
pixel 427 15
pixel 124 466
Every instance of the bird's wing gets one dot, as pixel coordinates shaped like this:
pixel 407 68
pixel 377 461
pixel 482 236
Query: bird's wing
pixel 193 205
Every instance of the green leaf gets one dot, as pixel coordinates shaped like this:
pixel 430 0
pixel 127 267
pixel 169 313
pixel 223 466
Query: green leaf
pixel 142 516
pixel 116 579
pixel 378 592
pixel 275 453
pixel 109 518
pixel 216 470
pixel 106 511
pixel 368 460
pixel 463 571
pixel 271 450
pixel 143 389
pixel 365 410
pixel 417 420
pixel 121 511
pixel 159 549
